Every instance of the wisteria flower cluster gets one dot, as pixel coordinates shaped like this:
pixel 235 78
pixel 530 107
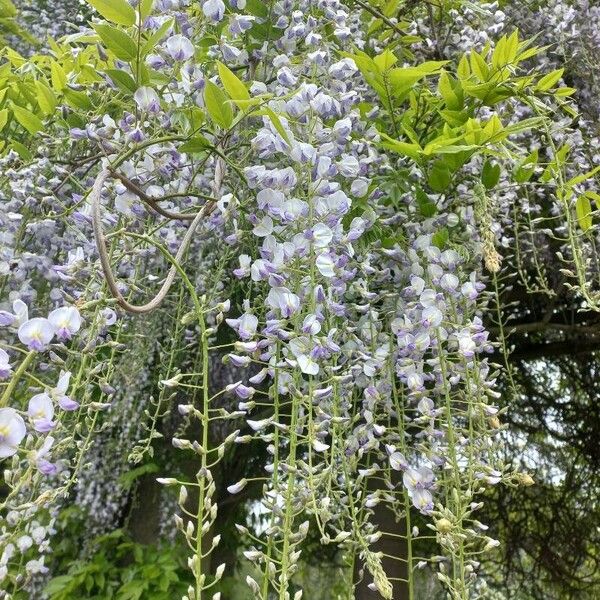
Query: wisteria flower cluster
pixel 280 230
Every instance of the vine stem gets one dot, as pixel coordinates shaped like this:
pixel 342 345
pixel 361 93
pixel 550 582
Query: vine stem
pixel 16 377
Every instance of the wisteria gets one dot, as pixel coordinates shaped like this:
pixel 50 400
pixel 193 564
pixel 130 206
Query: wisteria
pixel 261 269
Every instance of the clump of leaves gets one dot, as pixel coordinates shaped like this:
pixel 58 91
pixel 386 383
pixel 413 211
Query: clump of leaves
pixel 118 569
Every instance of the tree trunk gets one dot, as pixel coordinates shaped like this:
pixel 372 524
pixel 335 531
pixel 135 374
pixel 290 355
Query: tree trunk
pixel 385 521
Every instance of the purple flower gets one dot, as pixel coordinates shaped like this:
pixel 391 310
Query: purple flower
pixel 6 318
pixel 41 411
pixel 44 465
pixel 5 368
pixel 59 393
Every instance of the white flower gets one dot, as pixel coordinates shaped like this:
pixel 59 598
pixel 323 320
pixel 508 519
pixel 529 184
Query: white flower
pixel 397 461
pixel 325 265
pixel 308 365
pixel 66 322
pixel 264 227
pixel 466 344
pixel 214 10
pixel 237 487
pixel 12 431
pixel 319 446
pixel 258 425
pixel 36 333
pixel 24 543
pixel 287 302
pixel 247 326
pixel 422 499
pixel 179 47
pixel 311 325
pixel 147 99
pixel 321 235
pixel 21 311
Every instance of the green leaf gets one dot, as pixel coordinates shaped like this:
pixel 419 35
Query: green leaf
pixel 195 145
pixel 403 79
pixel 27 119
pixel 151 42
pixel 583 207
pixel 526 168
pixel 117 41
pixel 22 150
pixel 128 478
pixel 116 11
pixel 77 99
pixel 490 174
pixel 123 80
pixel 3 118
pixel 524 125
pixel 439 177
pixel 593 196
pixel 7 9
pixel 386 60
pixel 426 207
pixel 145 8
pixel 583 177
pixel 440 238
pixel 217 105
pixel 46 98
pixel 232 84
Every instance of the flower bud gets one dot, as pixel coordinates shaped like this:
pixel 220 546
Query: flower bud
pixel 443 526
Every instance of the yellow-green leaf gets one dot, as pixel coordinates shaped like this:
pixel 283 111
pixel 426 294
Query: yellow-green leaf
pixel 116 11
pixel 156 37
pixel 27 119
pixel 583 208
pixel 45 97
pixel 59 77
pixel 549 81
pixel 3 118
pixel 413 151
pixel 583 177
pixel 123 80
pixel 278 125
pixel 217 105
pixel 145 8
pixel 232 84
